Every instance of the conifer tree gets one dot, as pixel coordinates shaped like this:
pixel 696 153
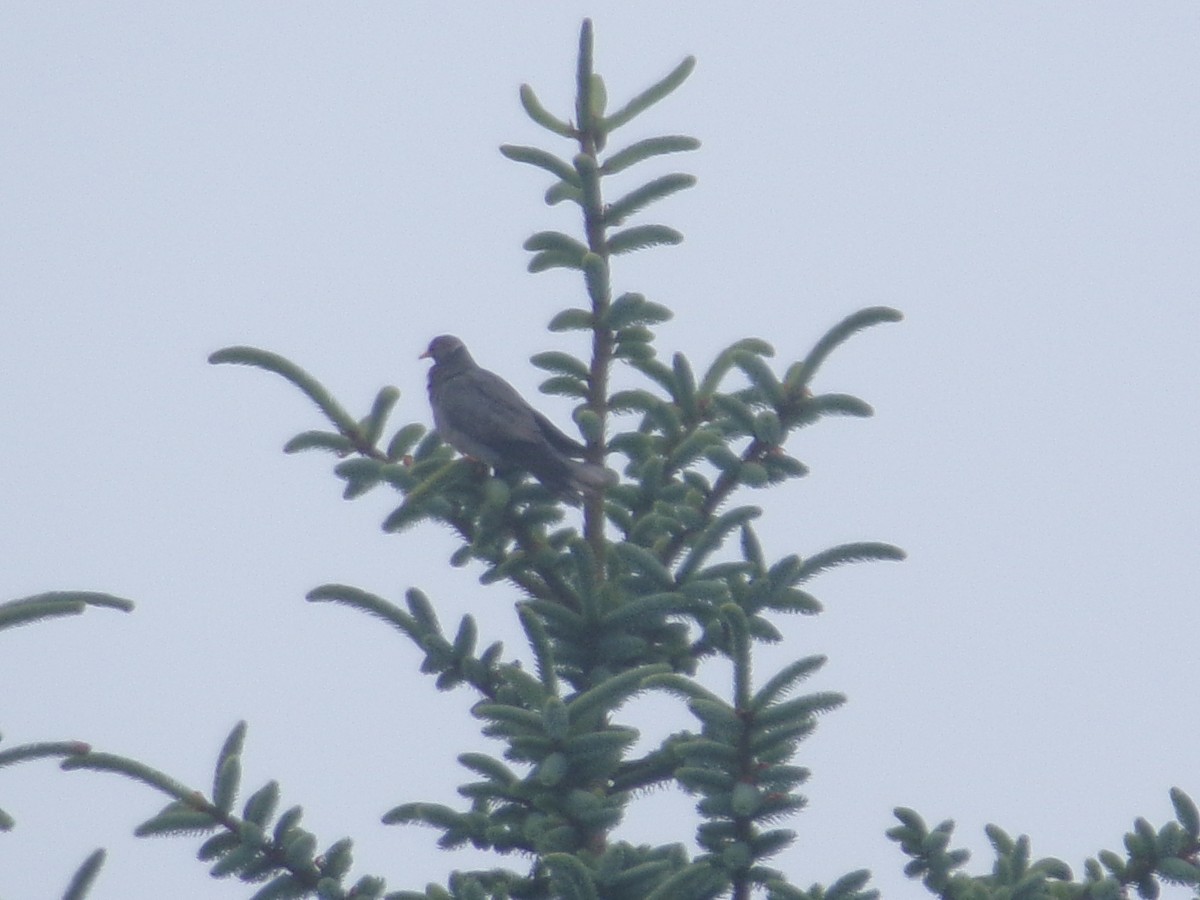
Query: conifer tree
pixel 654 579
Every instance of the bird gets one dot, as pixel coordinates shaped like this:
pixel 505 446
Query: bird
pixel 482 416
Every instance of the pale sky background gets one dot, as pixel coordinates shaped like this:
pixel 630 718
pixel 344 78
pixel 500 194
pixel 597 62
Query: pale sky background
pixel 322 180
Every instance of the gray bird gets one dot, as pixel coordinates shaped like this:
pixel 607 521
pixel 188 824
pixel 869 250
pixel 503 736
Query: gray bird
pixel 481 415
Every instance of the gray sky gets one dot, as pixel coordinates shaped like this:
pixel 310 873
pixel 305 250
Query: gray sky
pixel 322 180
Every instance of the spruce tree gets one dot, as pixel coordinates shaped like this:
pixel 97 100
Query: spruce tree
pixel 652 582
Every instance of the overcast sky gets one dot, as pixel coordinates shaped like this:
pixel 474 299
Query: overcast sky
pixel 322 180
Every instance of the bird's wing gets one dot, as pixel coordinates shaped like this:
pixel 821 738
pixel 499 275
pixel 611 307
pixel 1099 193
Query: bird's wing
pixel 484 408
pixel 559 441
pixel 482 415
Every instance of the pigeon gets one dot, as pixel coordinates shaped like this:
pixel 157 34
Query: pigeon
pixel 482 416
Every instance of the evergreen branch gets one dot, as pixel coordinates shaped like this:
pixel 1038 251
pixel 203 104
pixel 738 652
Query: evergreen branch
pixel 597 100
pixel 690 446
pixel 261 805
pixel 725 361
pixel 427 500
pixel 640 609
pixel 638 199
pixel 639 237
pixel 801 408
pixel 414 506
pixel 799 375
pixel 592 204
pixel 561 619
pixel 645 149
pixel 85 875
pixel 552 585
pixel 560 191
pixel 848 887
pixel 656 372
pixel 565 386
pixel 752 550
pixel 138 771
pixel 544 260
pixel 533 156
pixel 452 662
pixel 179 818
pixel 600 294
pixel 773 714
pixel 313 389
pixel 42 750
pixel 56 603
pixel 684 388
pixel 371 604
pixel 656 767
pixel 634 309
pixel 606 697
pixel 737 628
pixel 489 767
pixel 371 427
pixel 527 691
pixel 12 615
pixel 682 686
pixel 338 444
pixel 651 95
pixel 543 650
pixel 712 536
pixel 556 241
pixel 242 848
pixel 539 114
pixel 228 772
pixel 697 879
pixel 87 598
pixel 786 679
pixel 570 877
pixel 1186 813
pixel 572 320
pixel 586 583
pixel 842 554
pixel 561 363
pixel 403 441
pixel 646 564
pixel 724 486
pixel 760 375
pixel 720 491
pixel 362 474
pixel 583 88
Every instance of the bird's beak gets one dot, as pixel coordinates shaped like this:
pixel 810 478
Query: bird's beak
pixel 424 355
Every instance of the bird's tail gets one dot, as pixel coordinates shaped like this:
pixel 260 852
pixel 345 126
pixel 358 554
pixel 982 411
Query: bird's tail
pixel 589 478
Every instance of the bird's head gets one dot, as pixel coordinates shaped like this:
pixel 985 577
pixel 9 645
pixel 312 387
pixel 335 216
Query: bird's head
pixel 445 347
